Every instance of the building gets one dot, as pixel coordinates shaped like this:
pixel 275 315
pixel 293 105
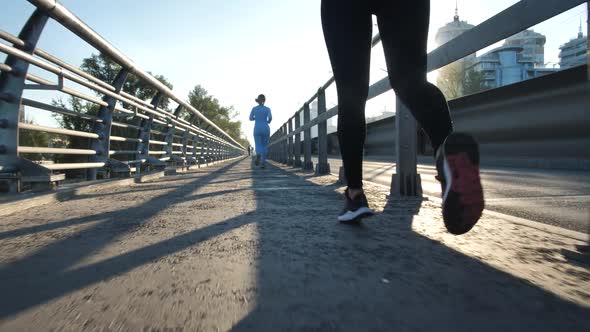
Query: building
pixel 521 57
pixel 449 79
pixel 452 29
pixel 573 53
pixel 532 43
pixel 508 64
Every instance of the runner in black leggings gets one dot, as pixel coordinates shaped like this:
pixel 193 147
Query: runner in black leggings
pixel 403 26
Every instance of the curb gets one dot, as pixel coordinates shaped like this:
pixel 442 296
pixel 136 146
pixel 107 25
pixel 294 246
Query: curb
pixel 61 194
pixel 519 221
pixel 530 223
pixel 31 200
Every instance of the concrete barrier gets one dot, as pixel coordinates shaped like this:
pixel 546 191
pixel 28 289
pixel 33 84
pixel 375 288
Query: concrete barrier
pixel 538 123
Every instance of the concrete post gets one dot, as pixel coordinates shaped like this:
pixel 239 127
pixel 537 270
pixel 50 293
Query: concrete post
pixel 307 163
pixel 285 145
pixel 290 148
pixel 297 147
pixel 323 167
pixel 406 180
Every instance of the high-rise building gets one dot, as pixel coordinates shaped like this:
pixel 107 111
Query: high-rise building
pixel 520 58
pixel 507 65
pixel 573 53
pixel 533 46
pixel 450 78
pixel 452 29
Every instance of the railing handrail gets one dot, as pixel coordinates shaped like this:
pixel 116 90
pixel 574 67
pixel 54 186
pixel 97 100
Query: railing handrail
pixel 70 21
pixel 104 88
pixel 494 29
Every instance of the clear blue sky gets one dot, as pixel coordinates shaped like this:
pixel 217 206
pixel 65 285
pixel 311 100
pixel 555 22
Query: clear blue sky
pixel 237 49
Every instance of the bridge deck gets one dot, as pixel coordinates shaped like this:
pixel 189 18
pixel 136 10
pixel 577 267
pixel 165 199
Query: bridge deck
pixel 234 248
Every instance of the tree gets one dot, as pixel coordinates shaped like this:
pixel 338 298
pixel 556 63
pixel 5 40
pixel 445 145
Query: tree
pixel 450 80
pixel 222 116
pixel 74 123
pixel 32 138
pixel 474 82
pixel 105 69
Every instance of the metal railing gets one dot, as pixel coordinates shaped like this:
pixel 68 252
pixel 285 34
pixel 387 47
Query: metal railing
pixel 285 142
pixel 162 137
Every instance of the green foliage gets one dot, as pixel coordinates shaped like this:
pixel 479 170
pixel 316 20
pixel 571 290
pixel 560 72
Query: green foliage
pixel 74 123
pixel 450 80
pixel 32 138
pixel 455 81
pixel 222 116
pixel 474 82
pixel 105 69
pixel 76 105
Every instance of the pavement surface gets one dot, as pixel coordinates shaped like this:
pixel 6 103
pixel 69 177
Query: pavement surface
pixel 555 197
pixel 235 248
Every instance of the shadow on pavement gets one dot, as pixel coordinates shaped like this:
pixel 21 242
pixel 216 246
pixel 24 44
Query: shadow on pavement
pixel 317 275
pixel 313 274
pixel 48 273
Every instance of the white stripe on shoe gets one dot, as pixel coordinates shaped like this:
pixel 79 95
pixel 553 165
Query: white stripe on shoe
pixel 448 178
pixel 352 215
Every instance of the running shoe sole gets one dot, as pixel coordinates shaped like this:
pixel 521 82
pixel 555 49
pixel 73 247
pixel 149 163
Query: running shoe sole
pixel 463 201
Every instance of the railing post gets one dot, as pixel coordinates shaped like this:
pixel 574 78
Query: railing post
pixel 185 139
pixel 196 143
pixel 216 151
pixel 307 163
pixel 145 134
pixel 212 151
pixel 205 150
pixel 277 146
pixel 169 138
pixel 11 90
pixel 297 161
pixel 284 153
pixel 290 143
pixel 323 167
pixel 406 180
pixel 184 143
pixel 102 145
pixel 271 148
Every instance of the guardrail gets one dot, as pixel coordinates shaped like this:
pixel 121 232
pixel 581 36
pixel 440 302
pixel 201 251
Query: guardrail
pixel 407 182
pixel 162 137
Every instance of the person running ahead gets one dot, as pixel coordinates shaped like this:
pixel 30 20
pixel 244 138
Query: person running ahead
pixel 261 116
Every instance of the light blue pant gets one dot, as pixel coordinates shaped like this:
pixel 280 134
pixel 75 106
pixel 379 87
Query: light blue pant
pixel 261 137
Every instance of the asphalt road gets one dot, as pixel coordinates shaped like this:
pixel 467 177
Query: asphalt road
pixel 555 197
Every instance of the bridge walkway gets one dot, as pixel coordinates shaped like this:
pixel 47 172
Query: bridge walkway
pixel 234 248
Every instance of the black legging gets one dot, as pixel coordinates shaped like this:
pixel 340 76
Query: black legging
pixel 403 26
